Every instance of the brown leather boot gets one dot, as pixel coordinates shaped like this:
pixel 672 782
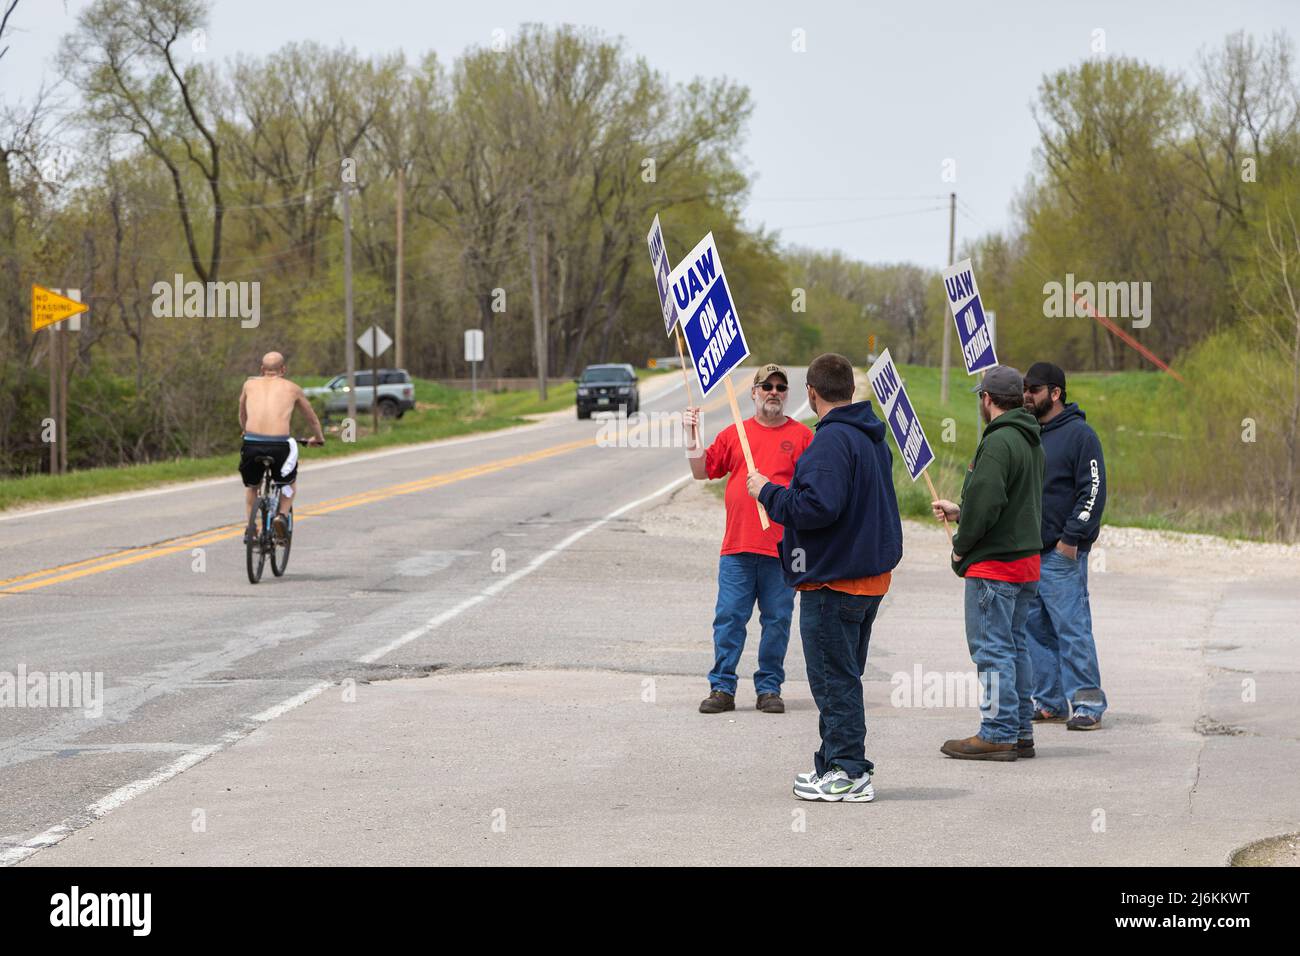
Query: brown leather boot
pixel 717 702
pixel 1025 748
pixel 977 748
pixel 770 704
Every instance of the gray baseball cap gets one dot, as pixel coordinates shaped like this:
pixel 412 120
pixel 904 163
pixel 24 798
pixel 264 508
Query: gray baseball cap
pixel 1001 380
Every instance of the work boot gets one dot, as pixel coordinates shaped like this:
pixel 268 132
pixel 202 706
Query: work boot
pixel 770 704
pixel 717 702
pixel 1025 748
pixel 977 748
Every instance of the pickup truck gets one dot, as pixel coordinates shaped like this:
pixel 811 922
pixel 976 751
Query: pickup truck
pixel 396 393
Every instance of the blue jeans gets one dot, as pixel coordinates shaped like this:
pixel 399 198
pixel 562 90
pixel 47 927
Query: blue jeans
pixel 1061 647
pixel 996 633
pixel 836 631
pixel 742 580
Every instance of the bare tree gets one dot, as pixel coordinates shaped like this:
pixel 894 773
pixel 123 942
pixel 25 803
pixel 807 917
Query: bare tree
pixel 124 57
pixel 1269 293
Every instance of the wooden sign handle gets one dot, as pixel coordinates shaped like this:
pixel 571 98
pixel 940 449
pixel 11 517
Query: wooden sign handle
pixel 744 445
pixel 934 496
pixel 686 377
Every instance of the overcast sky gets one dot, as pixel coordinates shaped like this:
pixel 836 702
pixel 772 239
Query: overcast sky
pixel 848 139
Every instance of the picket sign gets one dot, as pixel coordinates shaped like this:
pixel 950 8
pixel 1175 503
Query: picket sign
pixel 968 313
pixel 659 262
pixel 706 313
pixel 896 408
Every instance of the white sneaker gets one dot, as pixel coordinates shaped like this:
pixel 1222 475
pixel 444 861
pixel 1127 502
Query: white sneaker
pixel 835 786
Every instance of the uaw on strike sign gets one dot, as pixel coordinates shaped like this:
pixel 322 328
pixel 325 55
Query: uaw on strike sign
pixel 968 312
pixel 708 314
pixel 896 409
pixel 659 262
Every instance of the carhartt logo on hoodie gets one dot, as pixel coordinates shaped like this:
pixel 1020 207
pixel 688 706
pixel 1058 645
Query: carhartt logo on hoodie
pixel 1086 513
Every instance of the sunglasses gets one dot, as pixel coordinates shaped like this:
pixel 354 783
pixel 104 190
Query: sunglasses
pixel 768 386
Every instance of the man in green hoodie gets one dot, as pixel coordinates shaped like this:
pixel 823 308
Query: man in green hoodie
pixel 996 549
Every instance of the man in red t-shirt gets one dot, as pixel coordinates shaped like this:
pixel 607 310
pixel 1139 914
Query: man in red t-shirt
pixel 749 569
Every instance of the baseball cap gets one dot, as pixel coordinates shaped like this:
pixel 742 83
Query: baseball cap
pixel 1045 373
pixel 1001 380
pixel 770 369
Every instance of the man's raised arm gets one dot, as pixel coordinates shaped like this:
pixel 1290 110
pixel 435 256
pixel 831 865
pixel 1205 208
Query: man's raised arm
pixel 304 406
pixel 694 448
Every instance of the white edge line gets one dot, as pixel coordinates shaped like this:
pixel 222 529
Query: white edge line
pixel 496 587
pixel 122 795
pixel 106 805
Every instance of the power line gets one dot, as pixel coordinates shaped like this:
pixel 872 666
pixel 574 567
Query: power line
pixel 917 198
pixel 849 222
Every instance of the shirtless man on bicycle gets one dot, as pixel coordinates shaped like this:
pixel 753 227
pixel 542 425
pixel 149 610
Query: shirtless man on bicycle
pixel 266 406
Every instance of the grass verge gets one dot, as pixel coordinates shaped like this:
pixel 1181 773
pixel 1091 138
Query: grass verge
pixel 440 412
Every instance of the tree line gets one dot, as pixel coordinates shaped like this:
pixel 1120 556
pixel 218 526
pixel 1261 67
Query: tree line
pixel 529 170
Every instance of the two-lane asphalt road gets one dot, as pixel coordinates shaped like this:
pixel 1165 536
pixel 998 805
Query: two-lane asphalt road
pixel 149 591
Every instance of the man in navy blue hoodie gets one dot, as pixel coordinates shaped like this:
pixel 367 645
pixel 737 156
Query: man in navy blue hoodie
pixel 1067 678
pixel 843 537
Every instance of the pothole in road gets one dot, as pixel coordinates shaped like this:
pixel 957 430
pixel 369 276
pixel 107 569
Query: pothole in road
pixel 1209 727
pixel 375 673
pixel 1273 851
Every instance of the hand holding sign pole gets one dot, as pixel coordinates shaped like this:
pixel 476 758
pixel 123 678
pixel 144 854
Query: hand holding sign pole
pixel 896 409
pixel 934 496
pixel 744 444
pixel 707 316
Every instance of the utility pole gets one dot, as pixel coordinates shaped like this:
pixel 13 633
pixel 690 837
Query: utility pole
pixel 399 356
pixel 62 344
pixel 539 328
pixel 374 378
pixel 947 320
pixel 54 398
pixel 546 300
pixel 62 339
pixel 350 332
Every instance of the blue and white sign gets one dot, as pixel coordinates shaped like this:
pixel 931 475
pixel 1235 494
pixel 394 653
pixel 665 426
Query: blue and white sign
pixel 968 312
pixel 896 409
pixel 659 262
pixel 708 314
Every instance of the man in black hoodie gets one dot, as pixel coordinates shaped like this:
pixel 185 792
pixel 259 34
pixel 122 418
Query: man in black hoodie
pixel 843 537
pixel 1061 648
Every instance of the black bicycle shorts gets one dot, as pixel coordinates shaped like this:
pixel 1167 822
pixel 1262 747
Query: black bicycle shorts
pixel 284 455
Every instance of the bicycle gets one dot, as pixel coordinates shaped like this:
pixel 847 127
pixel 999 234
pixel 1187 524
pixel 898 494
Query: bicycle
pixel 259 537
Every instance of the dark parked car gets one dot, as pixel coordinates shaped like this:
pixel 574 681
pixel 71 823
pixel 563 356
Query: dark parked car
pixel 603 388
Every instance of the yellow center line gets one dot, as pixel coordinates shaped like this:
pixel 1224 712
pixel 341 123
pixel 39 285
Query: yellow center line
pixel 33 580
pixel 87 561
